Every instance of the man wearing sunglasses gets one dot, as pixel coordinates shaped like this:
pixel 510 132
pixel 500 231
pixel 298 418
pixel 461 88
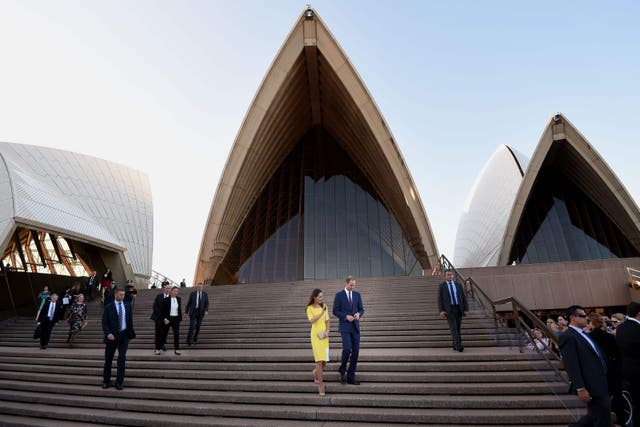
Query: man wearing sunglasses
pixel 585 363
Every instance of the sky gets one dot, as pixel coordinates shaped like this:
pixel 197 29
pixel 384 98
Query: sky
pixel 163 87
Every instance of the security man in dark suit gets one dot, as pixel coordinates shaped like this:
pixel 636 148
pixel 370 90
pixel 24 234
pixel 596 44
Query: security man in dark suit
pixel 51 313
pixel 585 363
pixel 117 326
pixel 628 340
pixel 452 304
pixel 197 307
pixel 160 335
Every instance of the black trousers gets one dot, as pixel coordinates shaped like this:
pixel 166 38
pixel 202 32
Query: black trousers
pixel 45 332
pixel 174 323
pixel 598 413
pixel 160 335
pixel 195 320
pixel 121 343
pixel 454 317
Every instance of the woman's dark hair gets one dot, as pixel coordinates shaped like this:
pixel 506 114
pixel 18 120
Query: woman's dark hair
pixel 314 294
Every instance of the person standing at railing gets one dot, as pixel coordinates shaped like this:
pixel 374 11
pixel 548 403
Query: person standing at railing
pixel 628 340
pixel 452 304
pixel 586 365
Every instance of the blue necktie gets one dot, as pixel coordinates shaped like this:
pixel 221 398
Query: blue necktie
pixel 121 316
pixel 452 292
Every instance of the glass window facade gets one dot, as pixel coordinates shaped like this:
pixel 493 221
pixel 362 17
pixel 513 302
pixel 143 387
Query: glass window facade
pixel 317 218
pixel 561 223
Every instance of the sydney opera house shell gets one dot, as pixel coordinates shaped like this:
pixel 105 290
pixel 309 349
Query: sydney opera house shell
pixel 486 212
pixel 565 205
pixel 65 214
pixel 315 186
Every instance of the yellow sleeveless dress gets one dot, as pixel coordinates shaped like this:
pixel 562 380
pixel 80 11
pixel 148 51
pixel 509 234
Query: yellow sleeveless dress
pixel 320 346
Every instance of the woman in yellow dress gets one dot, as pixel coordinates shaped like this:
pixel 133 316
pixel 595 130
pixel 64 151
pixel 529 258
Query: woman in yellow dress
pixel 318 316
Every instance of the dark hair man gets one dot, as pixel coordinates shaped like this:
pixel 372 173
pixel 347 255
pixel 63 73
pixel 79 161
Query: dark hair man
pixel 586 365
pixel 452 304
pixel 348 308
pixel 117 326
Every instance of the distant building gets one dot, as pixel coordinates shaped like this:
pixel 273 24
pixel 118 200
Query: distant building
pixel 568 205
pixel 65 214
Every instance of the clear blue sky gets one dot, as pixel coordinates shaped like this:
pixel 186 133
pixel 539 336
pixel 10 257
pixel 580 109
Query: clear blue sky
pixel 163 87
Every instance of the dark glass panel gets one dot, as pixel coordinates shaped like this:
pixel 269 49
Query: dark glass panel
pixel 399 258
pixel 385 241
pixel 317 217
pixel 352 228
pixel 342 261
pixel 375 254
pixel 330 233
pixel 561 223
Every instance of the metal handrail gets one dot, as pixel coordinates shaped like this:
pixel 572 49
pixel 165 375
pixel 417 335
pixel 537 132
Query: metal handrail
pixel 634 277
pixel 517 309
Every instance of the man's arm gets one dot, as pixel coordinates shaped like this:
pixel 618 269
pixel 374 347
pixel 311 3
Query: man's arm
pixel 360 306
pixel 205 297
pixel 569 351
pixel 440 302
pixel 336 308
pixel 187 308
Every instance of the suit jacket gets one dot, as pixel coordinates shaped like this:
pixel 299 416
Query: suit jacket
pixel 444 298
pixel 57 314
pixel 341 309
pixel 191 304
pixel 95 282
pixel 156 314
pixel 166 308
pixel 111 322
pixel 583 364
pixel 628 340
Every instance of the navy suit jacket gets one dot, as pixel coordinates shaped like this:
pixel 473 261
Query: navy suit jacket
pixel 111 322
pixel 444 298
pixel 628 340
pixel 583 364
pixel 191 304
pixel 58 313
pixel 341 309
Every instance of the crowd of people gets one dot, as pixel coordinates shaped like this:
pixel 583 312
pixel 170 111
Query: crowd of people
pixel 601 354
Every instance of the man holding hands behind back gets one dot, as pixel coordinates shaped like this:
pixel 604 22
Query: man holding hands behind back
pixel 452 304
pixel 347 306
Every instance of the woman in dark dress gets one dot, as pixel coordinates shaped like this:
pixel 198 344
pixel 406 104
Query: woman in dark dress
pixel 77 318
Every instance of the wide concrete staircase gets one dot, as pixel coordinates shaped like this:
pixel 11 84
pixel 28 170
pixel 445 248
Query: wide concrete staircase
pixel 252 367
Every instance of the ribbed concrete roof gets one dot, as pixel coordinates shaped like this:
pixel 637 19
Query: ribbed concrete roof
pixel 311 83
pixel 77 196
pixel 587 169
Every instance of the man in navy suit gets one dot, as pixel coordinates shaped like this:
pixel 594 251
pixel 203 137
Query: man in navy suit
pixel 117 325
pixel 628 340
pixel 52 311
pixel 197 307
pixel 452 304
pixel 586 365
pixel 347 306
